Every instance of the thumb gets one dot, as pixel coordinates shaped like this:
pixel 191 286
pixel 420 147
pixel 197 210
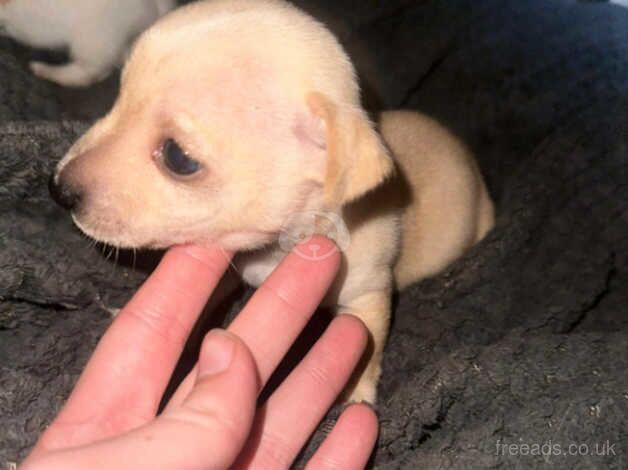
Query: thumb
pixel 223 400
pixel 206 430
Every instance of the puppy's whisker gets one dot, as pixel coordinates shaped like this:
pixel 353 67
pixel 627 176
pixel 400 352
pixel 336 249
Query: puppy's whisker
pixel 109 253
pixel 112 259
pixel 95 245
pixel 229 260
pixel 116 260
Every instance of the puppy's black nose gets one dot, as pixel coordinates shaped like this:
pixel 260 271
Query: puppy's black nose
pixel 63 194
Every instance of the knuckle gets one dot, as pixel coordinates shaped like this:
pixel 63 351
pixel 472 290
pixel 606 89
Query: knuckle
pixel 287 297
pixel 274 452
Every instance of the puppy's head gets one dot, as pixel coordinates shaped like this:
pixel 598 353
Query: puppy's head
pixel 233 116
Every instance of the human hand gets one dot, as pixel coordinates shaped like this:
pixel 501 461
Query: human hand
pixel 211 421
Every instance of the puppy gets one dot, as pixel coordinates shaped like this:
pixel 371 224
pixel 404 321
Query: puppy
pixel 97 32
pixel 238 122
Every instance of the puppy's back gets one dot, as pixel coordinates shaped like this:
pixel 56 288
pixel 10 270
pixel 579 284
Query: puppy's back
pixel 450 208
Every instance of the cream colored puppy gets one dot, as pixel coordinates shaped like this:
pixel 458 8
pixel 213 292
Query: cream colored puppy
pixel 97 32
pixel 238 122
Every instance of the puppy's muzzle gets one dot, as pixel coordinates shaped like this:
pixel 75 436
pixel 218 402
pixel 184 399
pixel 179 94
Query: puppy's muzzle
pixel 64 194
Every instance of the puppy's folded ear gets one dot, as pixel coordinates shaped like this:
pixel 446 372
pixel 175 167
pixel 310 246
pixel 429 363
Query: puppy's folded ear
pixel 357 160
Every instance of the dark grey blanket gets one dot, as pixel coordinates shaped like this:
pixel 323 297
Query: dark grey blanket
pixel 516 356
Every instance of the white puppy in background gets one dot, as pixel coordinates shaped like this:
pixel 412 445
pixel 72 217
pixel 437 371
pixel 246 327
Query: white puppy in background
pixel 240 120
pixel 97 33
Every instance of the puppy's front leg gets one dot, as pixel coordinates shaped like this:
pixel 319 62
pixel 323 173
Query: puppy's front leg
pixel 373 308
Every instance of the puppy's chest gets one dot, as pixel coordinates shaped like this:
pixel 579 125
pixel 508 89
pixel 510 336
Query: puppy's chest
pixel 256 266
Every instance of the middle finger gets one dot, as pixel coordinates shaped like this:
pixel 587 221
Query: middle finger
pixel 284 303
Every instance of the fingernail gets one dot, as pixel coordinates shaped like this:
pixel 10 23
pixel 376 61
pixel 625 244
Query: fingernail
pixel 217 353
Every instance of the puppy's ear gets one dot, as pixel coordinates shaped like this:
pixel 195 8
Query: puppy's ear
pixel 357 160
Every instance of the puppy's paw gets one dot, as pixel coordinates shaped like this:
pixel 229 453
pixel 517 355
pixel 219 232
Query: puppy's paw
pixel 70 75
pixel 364 391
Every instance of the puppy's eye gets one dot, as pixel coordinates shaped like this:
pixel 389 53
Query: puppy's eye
pixel 177 161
